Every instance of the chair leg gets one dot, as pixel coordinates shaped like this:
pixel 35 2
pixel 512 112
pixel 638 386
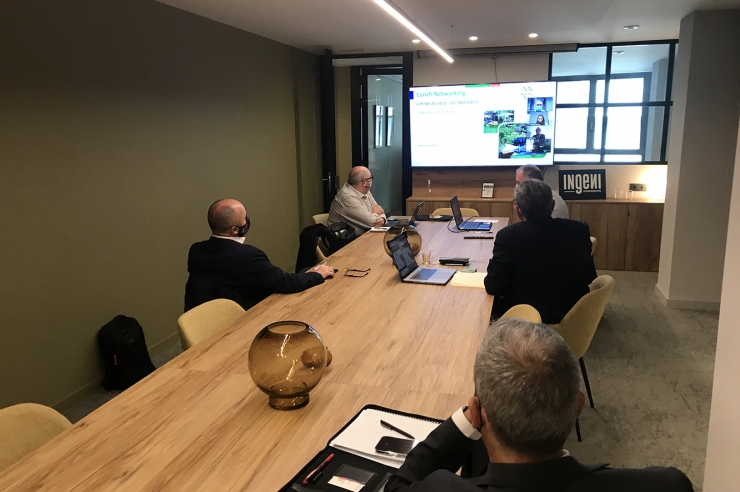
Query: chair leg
pixel 585 380
pixel 578 431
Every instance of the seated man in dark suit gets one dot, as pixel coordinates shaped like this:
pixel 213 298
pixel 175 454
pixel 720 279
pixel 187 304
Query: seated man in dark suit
pixel 225 267
pixel 541 261
pixel 526 404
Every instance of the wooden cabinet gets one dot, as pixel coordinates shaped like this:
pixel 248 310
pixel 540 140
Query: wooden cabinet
pixel 627 232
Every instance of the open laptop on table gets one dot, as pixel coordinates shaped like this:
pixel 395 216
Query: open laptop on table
pixel 411 221
pixel 409 271
pixel 465 225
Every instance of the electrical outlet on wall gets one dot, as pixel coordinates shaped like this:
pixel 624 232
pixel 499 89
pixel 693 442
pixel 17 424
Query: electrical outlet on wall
pixel 638 187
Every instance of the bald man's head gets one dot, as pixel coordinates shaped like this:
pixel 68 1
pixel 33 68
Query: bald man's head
pixel 357 174
pixel 225 214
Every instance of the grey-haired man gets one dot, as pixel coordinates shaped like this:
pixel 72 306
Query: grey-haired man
pixel 540 261
pixel 560 210
pixel 526 401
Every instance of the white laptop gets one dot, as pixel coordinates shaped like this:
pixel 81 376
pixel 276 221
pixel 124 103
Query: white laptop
pixel 409 271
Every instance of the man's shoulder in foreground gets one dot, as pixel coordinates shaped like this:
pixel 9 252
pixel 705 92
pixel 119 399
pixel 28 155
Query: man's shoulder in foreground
pixel 526 226
pixel 654 478
pixel 528 477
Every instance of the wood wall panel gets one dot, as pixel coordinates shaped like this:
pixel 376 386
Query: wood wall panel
pixel 464 182
pixel 608 224
pixel 644 228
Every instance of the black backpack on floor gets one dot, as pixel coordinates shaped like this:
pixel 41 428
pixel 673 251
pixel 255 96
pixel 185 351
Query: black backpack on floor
pixel 124 353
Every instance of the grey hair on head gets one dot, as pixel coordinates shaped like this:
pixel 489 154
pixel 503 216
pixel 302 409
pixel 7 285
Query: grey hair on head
pixel 526 379
pixel 531 172
pixel 534 199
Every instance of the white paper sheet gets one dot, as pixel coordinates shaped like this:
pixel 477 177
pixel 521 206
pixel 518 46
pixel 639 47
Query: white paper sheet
pixel 365 431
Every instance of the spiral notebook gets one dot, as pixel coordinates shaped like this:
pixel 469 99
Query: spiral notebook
pixel 364 432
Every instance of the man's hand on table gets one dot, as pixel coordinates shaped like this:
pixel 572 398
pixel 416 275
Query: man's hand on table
pixel 325 270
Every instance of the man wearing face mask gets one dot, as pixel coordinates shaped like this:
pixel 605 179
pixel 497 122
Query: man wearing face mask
pixel 223 267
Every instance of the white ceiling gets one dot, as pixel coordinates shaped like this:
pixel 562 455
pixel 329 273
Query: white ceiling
pixel 350 26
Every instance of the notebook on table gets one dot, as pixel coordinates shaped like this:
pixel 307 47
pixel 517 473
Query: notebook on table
pixel 409 270
pixel 466 225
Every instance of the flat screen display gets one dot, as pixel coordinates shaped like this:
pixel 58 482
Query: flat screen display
pixel 483 124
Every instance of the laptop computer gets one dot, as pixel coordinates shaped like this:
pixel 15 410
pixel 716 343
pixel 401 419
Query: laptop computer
pixel 408 269
pixel 464 225
pixel 411 221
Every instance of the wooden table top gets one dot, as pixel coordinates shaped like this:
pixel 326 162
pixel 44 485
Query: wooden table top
pixel 200 423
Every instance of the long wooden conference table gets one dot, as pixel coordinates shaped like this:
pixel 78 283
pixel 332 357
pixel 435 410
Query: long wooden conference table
pixel 200 423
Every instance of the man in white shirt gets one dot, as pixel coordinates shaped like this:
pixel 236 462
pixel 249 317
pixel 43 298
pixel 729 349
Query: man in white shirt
pixel 533 172
pixel 355 204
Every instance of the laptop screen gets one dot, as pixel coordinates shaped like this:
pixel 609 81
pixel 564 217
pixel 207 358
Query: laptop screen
pixel 455 206
pixel 402 255
pixel 416 212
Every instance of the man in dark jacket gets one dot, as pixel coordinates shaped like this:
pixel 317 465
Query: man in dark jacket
pixel 527 398
pixel 541 261
pixel 225 267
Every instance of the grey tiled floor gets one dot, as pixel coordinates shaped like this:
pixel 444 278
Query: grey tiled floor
pixel 650 370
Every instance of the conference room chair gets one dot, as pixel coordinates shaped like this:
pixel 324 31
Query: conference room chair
pixel 466 212
pixel 321 253
pixel 203 321
pixel 525 312
pixel 25 427
pixel 593 245
pixel 321 219
pixel 579 325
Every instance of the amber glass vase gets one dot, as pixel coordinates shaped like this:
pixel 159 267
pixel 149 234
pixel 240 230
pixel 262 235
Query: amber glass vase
pixel 287 360
pixel 411 233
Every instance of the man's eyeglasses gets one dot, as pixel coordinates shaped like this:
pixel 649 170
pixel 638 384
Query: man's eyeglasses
pixel 369 179
pixel 355 272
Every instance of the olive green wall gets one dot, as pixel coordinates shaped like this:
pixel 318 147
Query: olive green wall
pixel 343 119
pixel 120 122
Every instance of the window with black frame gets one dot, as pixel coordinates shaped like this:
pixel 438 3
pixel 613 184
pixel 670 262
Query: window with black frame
pixel 613 103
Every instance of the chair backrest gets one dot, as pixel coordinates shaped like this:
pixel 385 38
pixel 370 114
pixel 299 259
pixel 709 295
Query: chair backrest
pixel 593 245
pixel 321 219
pixel 320 253
pixel 25 427
pixel 580 323
pixel 203 321
pixel 466 212
pixel 525 312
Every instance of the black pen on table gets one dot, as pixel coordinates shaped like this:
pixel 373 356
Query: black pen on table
pixel 318 468
pixel 392 427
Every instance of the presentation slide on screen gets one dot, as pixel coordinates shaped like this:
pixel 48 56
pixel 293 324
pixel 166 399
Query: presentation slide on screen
pixel 483 124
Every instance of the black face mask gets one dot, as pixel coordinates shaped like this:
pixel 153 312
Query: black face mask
pixel 245 228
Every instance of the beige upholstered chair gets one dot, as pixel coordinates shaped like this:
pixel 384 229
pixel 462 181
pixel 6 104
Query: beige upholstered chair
pixel 466 212
pixel 579 324
pixel 25 427
pixel 593 245
pixel 525 312
pixel 321 219
pixel 203 321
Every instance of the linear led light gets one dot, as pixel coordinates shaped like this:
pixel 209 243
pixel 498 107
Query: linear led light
pixel 392 9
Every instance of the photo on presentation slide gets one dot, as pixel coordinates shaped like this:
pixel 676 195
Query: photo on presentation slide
pixel 512 141
pixel 540 104
pixel 492 119
pixel 539 118
pixel 539 140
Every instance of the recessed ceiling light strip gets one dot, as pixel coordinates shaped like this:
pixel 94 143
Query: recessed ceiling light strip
pixel 401 17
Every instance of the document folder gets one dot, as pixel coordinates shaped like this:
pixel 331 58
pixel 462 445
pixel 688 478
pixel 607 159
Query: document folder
pixel 354 447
